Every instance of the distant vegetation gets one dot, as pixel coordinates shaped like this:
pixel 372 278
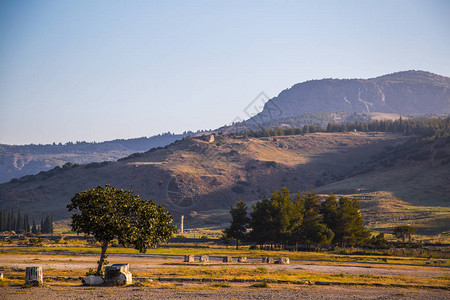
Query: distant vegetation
pixel 304 220
pixel 20 223
pixel 431 127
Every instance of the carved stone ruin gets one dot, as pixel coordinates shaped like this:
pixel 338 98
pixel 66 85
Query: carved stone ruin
pixel 227 259
pixel 34 276
pixel 189 258
pixel 242 259
pixel 284 261
pixel 92 280
pixel 204 258
pixel 268 260
pixel 118 274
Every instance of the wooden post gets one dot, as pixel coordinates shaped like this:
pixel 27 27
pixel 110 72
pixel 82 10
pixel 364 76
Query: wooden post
pixel 34 276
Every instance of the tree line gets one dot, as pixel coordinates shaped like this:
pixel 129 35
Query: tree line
pixel 429 127
pixel 280 220
pixel 20 223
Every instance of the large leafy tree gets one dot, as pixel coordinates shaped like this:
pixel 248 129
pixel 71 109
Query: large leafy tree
pixel 404 231
pixel 239 223
pixel 109 213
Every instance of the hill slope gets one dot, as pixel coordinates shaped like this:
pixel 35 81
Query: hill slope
pixel 20 160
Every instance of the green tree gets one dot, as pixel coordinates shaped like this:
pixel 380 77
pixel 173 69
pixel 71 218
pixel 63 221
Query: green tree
pixel 34 228
pixel 350 229
pixel 379 241
pixel 47 225
pixel 108 213
pixel 329 210
pixel 239 223
pixel 313 230
pixel 282 215
pixel 404 231
pixel 261 222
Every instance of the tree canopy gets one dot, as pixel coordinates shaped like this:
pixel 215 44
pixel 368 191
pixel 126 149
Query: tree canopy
pixel 404 231
pixel 109 213
pixel 307 220
pixel 239 223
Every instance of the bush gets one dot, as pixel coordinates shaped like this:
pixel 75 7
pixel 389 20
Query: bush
pixel 32 242
pixel 260 284
pixel 271 164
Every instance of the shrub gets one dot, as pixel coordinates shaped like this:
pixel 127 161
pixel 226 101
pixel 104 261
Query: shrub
pixel 271 164
pixel 260 284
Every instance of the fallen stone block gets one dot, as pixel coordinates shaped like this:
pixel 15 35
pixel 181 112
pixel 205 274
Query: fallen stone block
pixel 284 261
pixel 92 280
pixel 242 259
pixel 204 258
pixel 189 258
pixel 118 274
pixel 227 259
pixel 34 276
pixel 267 260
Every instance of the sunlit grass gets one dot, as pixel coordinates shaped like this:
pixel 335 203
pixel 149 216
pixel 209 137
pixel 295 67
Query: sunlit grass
pixel 213 250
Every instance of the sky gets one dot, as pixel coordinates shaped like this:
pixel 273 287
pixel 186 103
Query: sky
pixel 81 70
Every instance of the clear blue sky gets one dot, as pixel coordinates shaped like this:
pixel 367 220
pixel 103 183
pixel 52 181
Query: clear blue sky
pixel 101 70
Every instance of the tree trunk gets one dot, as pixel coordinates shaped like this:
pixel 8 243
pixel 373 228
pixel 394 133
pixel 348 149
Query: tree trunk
pixel 102 258
pixel 237 244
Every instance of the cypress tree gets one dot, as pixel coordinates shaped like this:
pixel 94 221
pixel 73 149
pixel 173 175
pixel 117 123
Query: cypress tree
pixel 27 223
pixel 42 228
pixel 19 222
pixel 34 229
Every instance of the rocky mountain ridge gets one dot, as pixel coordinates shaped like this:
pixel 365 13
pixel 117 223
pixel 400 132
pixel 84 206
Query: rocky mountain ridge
pixel 408 92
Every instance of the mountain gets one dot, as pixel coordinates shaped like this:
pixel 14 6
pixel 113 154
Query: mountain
pixel 408 92
pixel 20 160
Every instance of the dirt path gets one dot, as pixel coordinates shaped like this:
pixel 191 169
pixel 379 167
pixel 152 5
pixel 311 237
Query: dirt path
pixel 140 264
pixel 203 291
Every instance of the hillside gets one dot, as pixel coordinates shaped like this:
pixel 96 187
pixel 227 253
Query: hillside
pixel 195 176
pixel 20 160
pixel 408 92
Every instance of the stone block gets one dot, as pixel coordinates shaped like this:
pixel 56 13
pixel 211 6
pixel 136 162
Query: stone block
pixel 118 274
pixel 92 280
pixel 284 261
pixel 227 259
pixel 242 259
pixel 204 258
pixel 189 258
pixel 34 276
pixel 1 276
pixel 267 260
